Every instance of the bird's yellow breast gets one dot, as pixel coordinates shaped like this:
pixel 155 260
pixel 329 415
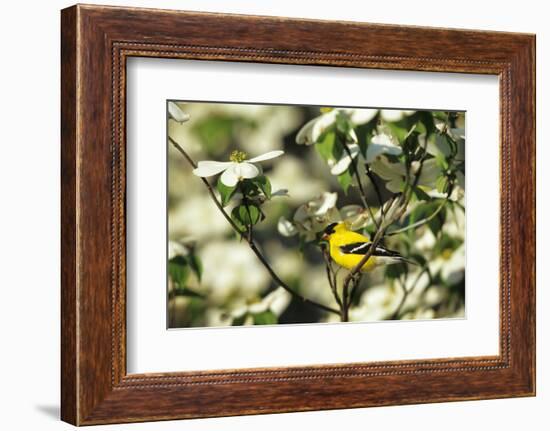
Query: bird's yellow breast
pixel 349 261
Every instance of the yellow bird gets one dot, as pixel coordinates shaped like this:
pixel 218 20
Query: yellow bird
pixel 347 248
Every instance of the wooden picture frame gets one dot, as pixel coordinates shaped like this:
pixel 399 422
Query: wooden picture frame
pixel 96 41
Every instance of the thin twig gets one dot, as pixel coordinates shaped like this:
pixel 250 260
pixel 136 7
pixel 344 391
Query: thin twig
pixel 406 293
pixel 355 287
pixel 362 194
pixel 331 277
pixel 376 188
pixel 250 240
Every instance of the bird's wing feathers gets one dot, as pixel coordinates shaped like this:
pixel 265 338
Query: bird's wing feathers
pixel 364 247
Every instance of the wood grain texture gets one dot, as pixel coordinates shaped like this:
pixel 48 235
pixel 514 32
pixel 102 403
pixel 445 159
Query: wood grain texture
pixel 96 41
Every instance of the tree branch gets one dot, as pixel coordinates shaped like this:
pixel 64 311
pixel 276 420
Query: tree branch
pixel 388 218
pixel 419 222
pixel 250 240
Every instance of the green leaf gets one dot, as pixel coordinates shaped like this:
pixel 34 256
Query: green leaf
pixel 441 161
pixel 345 180
pixel 427 119
pixel 239 321
pixel 325 145
pixel 226 192
pixel 396 270
pixel 264 184
pixel 400 132
pixel 246 215
pixel 441 184
pixel 343 123
pixel 418 258
pixel 185 291
pixel 196 265
pixel 421 195
pixel 436 223
pixel 410 143
pixel 364 134
pixel 178 269
pixel 265 318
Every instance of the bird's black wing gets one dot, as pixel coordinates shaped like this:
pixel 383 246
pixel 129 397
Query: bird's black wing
pixel 364 247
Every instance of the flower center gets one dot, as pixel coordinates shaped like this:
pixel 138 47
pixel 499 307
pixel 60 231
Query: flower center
pixel 325 110
pixel 237 156
pixel 446 254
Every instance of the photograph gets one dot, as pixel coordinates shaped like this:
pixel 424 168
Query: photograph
pixel 291 214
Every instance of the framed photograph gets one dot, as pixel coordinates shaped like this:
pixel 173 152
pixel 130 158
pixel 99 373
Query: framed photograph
pixel 327 222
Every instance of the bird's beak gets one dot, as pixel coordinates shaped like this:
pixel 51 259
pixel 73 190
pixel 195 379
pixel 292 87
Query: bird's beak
pixel 324 237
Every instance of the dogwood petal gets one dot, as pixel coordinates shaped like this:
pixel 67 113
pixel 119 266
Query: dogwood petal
pixel 341 165
pixel 355 216
pixel 258 307
pixel 267 156
pixel 304 134
pixel 208 168
pixel 396 185
pixel 238 171
pixel 247 170
pixel 325 203
pixel 362 116
pixel 286 227
pixel 281 193
pixel 229 177
pixel 381 144
pixel 323 122
pixel 278 300
pixel 176 249
pixel 430 172
pixel 388 171
pixel 176 113
pixel 351 210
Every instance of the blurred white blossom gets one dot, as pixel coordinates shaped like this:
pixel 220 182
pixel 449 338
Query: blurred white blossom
pixel 176 113
pixel 393 115
pixel 231 270
pixel 276 301
pixel 313 129
pixel 289 173
pixel 176 248
pixel 197 218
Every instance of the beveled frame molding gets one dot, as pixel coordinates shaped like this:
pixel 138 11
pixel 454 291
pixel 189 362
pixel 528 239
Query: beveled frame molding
pixel 96 41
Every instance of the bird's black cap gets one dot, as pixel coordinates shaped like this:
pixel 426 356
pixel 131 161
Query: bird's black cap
pixel 330 229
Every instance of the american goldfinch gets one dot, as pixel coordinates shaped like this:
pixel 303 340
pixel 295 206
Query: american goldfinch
pixel 347 248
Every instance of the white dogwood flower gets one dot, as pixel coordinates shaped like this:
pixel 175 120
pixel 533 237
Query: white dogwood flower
pixel 237 169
